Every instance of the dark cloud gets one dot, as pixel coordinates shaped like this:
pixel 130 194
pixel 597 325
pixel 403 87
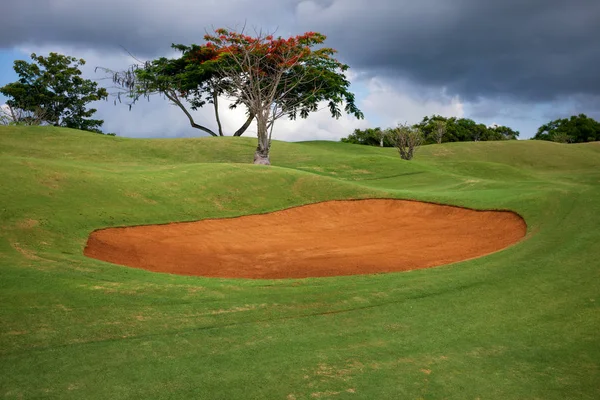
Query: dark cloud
pixel 144 27
pixel 534 50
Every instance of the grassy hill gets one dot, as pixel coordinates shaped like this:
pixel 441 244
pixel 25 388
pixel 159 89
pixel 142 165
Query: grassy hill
pixel 519 324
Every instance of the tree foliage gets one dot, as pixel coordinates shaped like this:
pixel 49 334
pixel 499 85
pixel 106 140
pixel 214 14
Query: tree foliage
pixel 274 77
pixel 502 132
pixel 50 90
pixel 438 129
pixel 370 137
pixel 576 129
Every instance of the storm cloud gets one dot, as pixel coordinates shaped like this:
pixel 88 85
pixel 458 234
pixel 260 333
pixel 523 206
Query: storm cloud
pixel 535 49
pixel 483 52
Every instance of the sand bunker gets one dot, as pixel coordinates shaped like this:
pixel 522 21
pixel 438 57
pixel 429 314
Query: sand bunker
pixel 324 239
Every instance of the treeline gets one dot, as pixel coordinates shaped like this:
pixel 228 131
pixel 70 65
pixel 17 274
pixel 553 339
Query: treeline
pixel 437 129
pixel 576 129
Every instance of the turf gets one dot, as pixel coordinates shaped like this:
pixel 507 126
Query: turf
pixel 519 324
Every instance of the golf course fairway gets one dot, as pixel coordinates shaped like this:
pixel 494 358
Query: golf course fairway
pixel 519 321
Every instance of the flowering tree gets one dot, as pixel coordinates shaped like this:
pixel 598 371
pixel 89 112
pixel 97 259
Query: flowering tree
pixel 275 77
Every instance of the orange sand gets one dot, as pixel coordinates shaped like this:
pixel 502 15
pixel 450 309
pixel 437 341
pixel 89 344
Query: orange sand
pixel 324 239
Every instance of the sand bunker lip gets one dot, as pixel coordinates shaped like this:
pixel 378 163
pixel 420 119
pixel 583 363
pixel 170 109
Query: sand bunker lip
pixel 334 238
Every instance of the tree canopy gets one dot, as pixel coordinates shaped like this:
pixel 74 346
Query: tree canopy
pixel 274 77
pixel 50 90
pixel 462 130
pixel 576 129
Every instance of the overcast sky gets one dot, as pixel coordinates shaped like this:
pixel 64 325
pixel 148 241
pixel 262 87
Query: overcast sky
pixel 518 63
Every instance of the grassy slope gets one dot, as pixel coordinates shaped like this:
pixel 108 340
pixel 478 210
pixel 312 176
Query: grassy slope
pixel 521 323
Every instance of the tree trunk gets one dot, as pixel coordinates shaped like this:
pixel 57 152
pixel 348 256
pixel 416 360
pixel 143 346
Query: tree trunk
pixel 261 155
pixel 216 106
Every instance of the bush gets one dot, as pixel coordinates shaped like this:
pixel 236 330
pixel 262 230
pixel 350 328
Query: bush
pixel 406 139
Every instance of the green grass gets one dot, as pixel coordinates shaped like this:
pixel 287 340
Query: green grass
pixel 522 323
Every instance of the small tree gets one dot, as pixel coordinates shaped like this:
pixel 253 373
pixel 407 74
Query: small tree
pixel 501 132
pixel 439 130
pixel 276 77
pixel 51 90
pixel 381 134
pixel 561 137
pixel 479 132
pixel 406 139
